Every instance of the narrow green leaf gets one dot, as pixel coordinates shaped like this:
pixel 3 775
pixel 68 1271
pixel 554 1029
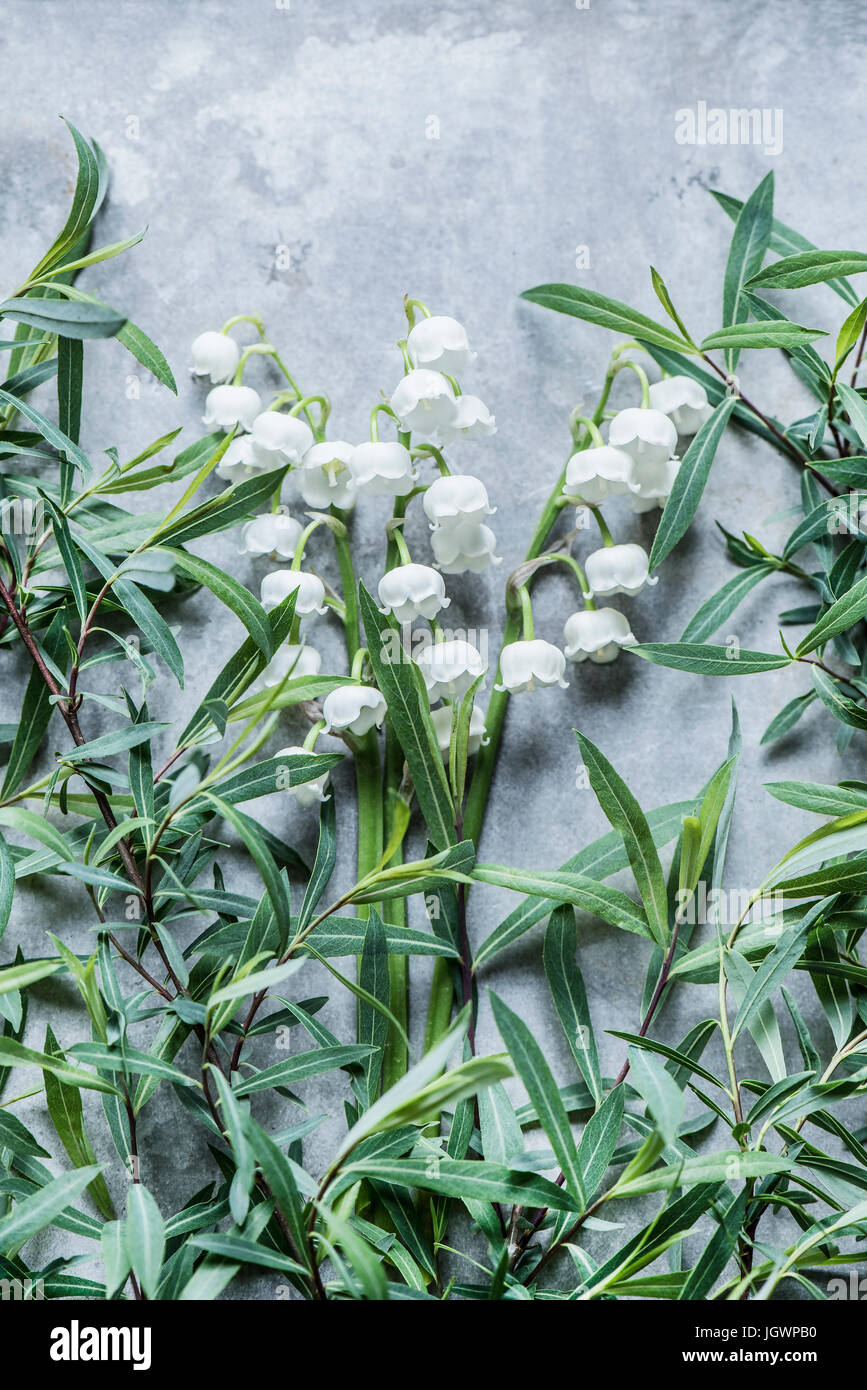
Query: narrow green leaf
pixel 542 1089
pixel 628 819
pixel 706 660
pixel 607 313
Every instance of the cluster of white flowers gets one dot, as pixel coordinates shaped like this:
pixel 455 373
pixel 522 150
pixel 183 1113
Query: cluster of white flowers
pixel 640 462
pixel 427 403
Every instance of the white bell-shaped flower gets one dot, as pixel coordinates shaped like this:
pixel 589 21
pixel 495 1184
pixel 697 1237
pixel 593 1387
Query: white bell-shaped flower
pixel 618 569
pixel 412 591
pixel 683 400
pixel 472 421
pixel 647 436
pixel 455 499
pixel 323 476
pixel 524 665
pixel 240 461
pixel 651 484
pixel 449 668
pixel 227 406
pixel 353 708
pixel 215 355
pixel 597 633
pixel 280 438
pixel 467 548
pixel 381 469
pixel 308 793
pixel 292 660
pixel 424 401
pixel 308 588
pixel 594 474
pixel 442 722
pixel 440 342
pixel 275 533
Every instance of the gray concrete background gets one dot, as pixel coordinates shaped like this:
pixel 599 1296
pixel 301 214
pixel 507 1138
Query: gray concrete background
pixel 237 129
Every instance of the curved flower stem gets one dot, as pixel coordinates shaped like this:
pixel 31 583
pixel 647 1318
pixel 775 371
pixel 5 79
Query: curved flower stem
pixel 381 408
pixel 256 350
pixel 431 451
pixel 585 423
pixel 245 318
pixel 395 534
pixel 627 363
pixel 324 411
pixel 576 569
pixel 607 538
pixel 527 628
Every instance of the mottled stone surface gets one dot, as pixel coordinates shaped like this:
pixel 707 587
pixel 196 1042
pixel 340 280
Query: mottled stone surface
pixel 284 161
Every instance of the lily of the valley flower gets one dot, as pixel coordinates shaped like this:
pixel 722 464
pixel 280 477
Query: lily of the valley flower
pixel 227 406
pixel 594 474
pixel 442 722
pixel 323 476
pixel 274 533
pixel 424 401
pixel 472 421
pixel 683 400
pixel 354 709
pixel 279 437
pixel 458 498
pixel 597 633
pixel 524 665
pixel 241 461
pixel 440 342
pixel 647 436
pixel 618 569
pixel 308 588
pixel 293 660
pixel 652 483
pixel 412 591
pixel 215 355
pixel 466 548
pixel 382 470
pixel 308 793
pixel 449 668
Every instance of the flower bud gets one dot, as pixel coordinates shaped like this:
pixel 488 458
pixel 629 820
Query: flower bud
pixel 227 406
pixel 354 708
pixel 647 436
pixel 382 470
pixel 441 343
pixel 449 669
pixel 683 400
pixel 308 793
pixel 215 355
pixel 424 401
pixel 597 633
pixel 524 665
pixel 308 588
pixel 274 533
pixel 618 569
pixel 412 591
